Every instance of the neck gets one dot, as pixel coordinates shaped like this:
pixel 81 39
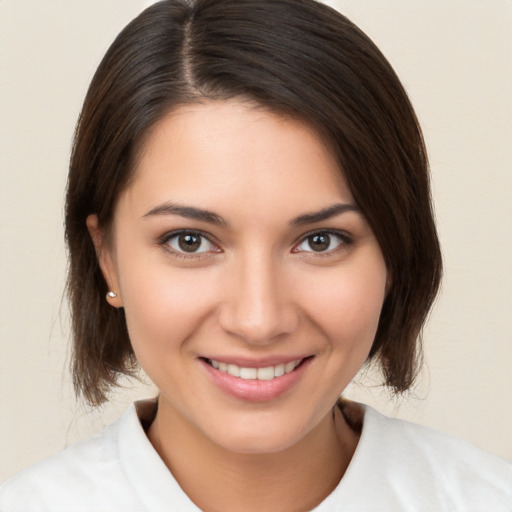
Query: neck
pixel 216 479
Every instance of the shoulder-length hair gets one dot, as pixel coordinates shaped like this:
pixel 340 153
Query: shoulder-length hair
pixel 298 58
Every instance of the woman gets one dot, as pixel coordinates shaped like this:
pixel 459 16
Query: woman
pixel 248 218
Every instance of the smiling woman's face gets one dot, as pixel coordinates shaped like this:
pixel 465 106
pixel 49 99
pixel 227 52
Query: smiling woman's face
pixel 252 284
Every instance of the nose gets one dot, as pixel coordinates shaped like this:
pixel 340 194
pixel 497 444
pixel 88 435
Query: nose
pixel 258 306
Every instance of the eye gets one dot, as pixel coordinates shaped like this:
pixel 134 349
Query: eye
pixel 190 242
pixel 322 241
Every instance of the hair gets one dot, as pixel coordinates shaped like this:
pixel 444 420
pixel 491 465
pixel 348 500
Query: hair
pixel 296 58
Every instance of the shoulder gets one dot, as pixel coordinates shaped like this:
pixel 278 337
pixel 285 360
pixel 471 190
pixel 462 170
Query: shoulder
pixel 416 466
pixel 77 479
pixel 446 453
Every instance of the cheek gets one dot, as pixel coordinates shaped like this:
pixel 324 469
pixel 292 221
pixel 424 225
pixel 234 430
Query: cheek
pixel 347 304
pixel 163 307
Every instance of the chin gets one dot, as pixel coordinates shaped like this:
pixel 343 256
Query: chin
pixel 263 435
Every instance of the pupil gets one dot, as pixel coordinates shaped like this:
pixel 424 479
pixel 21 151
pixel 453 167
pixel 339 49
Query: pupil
pixel 189 242
pixel 319 242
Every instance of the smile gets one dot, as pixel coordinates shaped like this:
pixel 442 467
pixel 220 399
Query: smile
pixel 258 381
pixel 247 373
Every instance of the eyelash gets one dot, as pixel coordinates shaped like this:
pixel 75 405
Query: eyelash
pixel 165 239
pixel 344 242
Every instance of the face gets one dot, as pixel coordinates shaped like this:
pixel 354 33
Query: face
pixel 252 284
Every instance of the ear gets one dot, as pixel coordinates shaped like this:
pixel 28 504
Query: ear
pixel 105 260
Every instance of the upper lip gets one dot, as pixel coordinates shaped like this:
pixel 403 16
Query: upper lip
pixel 264 362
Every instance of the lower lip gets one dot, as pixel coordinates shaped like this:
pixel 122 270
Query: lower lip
pixel 254 390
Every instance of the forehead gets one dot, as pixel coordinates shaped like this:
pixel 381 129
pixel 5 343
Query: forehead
pixel 215 152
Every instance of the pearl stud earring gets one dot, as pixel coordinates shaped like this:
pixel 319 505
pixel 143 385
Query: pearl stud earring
pixel 112 294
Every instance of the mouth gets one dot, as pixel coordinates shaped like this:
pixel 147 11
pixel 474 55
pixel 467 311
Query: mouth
pixel 256 381
pixel 247 373
pixel 265 373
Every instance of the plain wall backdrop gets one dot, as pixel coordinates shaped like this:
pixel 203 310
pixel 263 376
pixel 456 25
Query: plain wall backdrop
pixel 454 58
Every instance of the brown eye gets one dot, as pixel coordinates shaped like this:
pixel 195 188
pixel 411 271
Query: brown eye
pixel 322 242
pixel 319 242
pixel 190 242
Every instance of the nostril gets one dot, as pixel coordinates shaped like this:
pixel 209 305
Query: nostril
pixel 258 324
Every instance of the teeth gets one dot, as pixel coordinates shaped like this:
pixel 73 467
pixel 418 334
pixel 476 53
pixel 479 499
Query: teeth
pixel 234 370
pixel 279 370
pixel 267 373
pixel 288 367
pixel 248 373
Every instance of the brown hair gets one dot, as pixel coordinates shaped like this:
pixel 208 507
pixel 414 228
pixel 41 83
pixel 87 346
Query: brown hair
pixel 294 57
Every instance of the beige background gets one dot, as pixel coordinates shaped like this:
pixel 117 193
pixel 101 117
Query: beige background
pixel 454 57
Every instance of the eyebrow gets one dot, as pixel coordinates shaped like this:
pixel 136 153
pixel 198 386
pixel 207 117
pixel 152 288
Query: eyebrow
pixel 189 212
pixel 324 214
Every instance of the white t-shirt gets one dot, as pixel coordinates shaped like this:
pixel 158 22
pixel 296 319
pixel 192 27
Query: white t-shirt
pixel 397 466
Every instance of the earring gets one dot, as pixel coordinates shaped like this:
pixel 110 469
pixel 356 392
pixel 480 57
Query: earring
pixel 112 294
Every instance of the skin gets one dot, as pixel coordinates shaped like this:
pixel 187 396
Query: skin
pixel 257 290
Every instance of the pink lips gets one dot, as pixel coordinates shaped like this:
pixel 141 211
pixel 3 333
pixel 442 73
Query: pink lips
pixel 252 389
